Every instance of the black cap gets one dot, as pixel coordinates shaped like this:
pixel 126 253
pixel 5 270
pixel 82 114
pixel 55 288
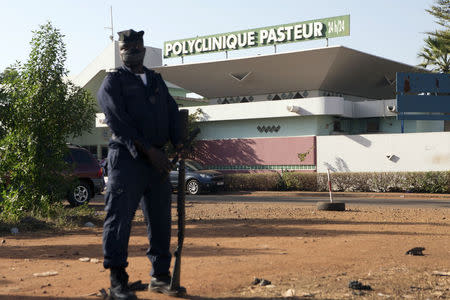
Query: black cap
pixel 130 35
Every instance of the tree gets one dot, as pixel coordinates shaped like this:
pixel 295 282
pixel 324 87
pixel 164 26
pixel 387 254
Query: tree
pixel 193 120
pixel 39 110
pixel 435 53
pixel 442 12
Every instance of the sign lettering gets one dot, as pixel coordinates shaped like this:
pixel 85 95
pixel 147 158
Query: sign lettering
pixel 281 34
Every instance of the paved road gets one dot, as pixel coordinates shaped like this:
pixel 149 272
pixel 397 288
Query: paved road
pixel 389 200
pixel 428 202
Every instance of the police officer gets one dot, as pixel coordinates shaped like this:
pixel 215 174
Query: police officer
pixel 143 117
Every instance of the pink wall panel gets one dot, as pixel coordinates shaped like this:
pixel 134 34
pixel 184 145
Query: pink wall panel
pixel 258 151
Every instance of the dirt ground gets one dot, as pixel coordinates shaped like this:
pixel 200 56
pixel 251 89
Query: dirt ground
pixel 305 253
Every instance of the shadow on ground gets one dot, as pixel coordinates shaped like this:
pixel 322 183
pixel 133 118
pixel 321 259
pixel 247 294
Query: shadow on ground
pixel 11 297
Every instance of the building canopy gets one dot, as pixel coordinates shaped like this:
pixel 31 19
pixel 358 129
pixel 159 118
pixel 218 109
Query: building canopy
pixel 336 69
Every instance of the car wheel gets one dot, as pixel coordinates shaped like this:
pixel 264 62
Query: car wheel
pixel 80 194
pixel 193 187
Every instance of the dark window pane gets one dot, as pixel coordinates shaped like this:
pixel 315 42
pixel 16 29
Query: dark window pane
pixel 81 156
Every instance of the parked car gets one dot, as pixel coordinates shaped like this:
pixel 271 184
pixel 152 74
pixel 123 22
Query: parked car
pixel 89 174
pixel 198 179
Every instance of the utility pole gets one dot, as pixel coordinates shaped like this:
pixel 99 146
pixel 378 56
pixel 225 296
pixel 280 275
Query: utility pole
pixel 111 37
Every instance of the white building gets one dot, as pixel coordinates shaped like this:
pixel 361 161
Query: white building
pixel 276 112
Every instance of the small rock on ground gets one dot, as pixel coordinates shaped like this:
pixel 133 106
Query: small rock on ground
pixel 45 274
pixel 84 259
pixel 289 293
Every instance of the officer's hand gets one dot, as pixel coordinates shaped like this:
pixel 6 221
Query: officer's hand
pixel 159 160
pixel 180 150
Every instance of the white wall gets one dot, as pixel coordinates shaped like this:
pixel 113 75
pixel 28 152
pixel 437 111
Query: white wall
pixel 368 153
pixel 306 126
pixel 336 106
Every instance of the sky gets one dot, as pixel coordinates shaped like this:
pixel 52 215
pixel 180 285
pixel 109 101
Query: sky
pixel 393 29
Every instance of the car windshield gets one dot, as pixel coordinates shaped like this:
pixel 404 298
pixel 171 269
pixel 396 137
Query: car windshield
pixel 81 156
pixel 194 165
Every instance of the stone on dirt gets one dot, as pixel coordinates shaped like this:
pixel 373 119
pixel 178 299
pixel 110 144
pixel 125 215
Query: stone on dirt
pixel 289 293
pixel 261 281
pixel 416 251
pixel 45 274
pixel 356 285
pixel 440 273
pixel 14 230
pixel 95 260
pixel 84 259
pixel 89 224
pixel 265 282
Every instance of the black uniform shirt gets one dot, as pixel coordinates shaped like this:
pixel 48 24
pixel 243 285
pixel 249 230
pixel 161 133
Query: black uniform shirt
pixel 137 112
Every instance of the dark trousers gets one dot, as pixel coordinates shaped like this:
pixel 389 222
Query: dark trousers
pixel 131 181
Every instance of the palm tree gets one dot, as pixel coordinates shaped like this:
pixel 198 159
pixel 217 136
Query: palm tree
pixel 437 44
pixel 435 54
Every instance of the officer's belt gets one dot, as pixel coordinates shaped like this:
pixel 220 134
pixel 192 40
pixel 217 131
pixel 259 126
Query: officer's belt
pixel 116 139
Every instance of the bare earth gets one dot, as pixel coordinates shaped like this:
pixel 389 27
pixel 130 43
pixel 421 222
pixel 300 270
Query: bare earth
pixel 305 253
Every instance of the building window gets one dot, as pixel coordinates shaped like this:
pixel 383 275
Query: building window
pixel 104 152
pixel 373 126
pixel 337 126
pixel 446 125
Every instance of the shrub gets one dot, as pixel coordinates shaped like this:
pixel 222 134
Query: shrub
pixel 413 182
pixel 39 111
pixel 253 182
pixel 300 181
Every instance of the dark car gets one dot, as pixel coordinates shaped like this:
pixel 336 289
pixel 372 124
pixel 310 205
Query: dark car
pixel 89 174
pixel 198 179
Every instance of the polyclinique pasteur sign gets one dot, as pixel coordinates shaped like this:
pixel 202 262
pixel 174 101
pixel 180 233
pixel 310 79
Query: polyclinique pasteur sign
pixel 258 37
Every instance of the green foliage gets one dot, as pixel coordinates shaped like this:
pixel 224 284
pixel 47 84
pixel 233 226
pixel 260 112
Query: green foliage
pixel 253 182
pixel 192 125
pixel 441 11
pixel 40 109
pixel 60 217
pixel 435 53
pixel 302 156
pixel 300 181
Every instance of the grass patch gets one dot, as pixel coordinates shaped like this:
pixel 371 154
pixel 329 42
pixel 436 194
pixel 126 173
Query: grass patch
pixel 60 218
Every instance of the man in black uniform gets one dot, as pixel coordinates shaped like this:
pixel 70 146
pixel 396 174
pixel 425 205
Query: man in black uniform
pixel 143 117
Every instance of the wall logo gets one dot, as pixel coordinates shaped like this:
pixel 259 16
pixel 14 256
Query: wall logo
pixel 259 37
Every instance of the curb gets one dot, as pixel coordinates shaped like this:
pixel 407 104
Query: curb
pixel 339 194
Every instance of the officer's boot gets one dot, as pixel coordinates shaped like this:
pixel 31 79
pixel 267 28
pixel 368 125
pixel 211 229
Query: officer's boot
pixel 119 285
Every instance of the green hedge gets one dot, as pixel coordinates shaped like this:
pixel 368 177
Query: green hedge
pixel 413 182
pixel 253 182
pixel 300 181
